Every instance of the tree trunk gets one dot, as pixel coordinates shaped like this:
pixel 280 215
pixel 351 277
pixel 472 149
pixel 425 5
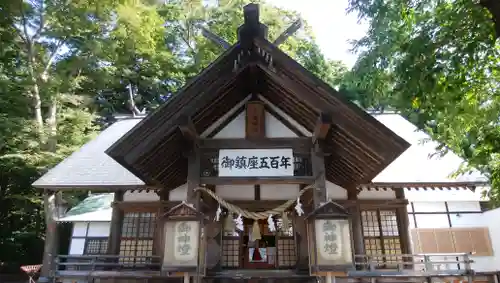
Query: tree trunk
pixel 52 126
pixel 35 89
pixel 50 203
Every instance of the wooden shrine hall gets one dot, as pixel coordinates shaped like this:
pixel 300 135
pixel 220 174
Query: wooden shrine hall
pixel 256 144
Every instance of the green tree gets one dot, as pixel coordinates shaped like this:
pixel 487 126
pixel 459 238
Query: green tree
pixel 437 62
pixel 64 65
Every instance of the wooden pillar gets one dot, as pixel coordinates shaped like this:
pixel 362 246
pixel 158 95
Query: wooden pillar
pixel 51 237
pixel 403 225
pixel 193 178
pixel 115 232
pixel 300 229
pixel 318 168
pixel 357 228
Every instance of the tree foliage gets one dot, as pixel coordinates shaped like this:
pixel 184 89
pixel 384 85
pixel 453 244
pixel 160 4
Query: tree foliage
pixel 438 63
pixel 67 66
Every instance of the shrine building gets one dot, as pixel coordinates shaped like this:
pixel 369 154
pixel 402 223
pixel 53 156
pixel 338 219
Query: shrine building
pixel 258 171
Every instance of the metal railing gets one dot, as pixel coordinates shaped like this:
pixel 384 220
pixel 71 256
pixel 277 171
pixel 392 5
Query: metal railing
pixel 401 265
pixel 445 264
pixel 106 262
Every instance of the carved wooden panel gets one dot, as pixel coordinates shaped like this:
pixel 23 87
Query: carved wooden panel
pixel 255 120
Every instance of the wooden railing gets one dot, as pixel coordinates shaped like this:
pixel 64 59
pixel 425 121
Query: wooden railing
pixel 368 266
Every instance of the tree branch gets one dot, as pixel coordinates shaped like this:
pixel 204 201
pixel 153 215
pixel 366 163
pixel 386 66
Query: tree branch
pixel 38 32
pixel 52 56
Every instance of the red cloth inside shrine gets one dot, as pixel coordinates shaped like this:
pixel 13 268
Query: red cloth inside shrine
pixel 256 256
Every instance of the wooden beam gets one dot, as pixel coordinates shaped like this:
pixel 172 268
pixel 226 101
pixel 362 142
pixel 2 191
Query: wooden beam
pixel 145 206
pixel 373 203
pixel 319 173
pixel 322 127
pixel 193 178
pixel 188 129
pixel 299 145
pixel 255 120
pixel 256 180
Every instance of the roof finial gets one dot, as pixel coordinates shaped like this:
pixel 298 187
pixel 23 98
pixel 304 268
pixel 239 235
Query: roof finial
pixel 252 27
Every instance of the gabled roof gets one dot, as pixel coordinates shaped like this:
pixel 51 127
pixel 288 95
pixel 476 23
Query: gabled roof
pixel 418 163
pixel 90 167
pixel 152 150
pixel 414 166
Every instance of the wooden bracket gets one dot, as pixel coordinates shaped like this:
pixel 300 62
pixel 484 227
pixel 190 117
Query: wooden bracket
pixel 189 132
pixel 322 127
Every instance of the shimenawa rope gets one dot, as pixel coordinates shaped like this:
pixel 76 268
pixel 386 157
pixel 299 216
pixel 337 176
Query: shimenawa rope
pixel 250 214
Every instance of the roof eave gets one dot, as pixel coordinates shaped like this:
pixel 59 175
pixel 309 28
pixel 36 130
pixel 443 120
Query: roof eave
pixel 93 187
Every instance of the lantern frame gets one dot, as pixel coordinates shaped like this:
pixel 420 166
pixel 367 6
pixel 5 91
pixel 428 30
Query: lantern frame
pixel 318 265
pixel 182 213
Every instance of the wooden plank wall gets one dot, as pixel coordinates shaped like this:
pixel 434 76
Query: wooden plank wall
pixel 452 240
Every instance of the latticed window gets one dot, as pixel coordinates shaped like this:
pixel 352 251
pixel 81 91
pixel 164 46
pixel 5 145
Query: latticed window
pixel 137 237
pixel 230 251
pixel 286 251
pixel 95 246
pixel 381 236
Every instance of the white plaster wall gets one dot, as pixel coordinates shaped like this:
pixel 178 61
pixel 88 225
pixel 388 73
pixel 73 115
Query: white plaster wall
pixel 178 194
pixel 374 194
pixel 236 192
pixel 98 229
pixel 488 219
pixel 77 246
pixel 86 229
pixel 140 196
pixel 444 195
pixel 491 220
pixel 335 191
pixel 279 191
pixel 280 112
pixel 235 128
pixel 80 229
pixel 276 129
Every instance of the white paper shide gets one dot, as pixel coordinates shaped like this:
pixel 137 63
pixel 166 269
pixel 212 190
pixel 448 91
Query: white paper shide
pixel 186 240
pixel 256 162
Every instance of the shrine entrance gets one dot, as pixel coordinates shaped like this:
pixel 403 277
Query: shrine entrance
pixel 259 248
pixel 259 253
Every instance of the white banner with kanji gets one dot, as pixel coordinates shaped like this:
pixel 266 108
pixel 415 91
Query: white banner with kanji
pixel 256 162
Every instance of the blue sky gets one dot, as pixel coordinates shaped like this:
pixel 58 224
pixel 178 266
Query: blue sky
pixel 330 23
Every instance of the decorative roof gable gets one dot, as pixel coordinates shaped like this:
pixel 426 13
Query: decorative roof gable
pixel 153 149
